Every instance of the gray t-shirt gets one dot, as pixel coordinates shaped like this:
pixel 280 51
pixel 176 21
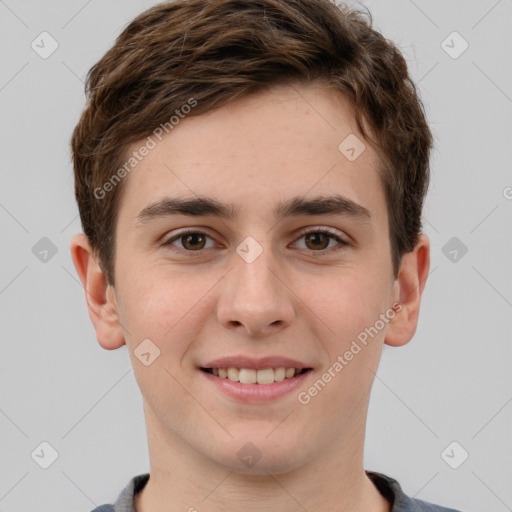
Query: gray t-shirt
pixel 386 485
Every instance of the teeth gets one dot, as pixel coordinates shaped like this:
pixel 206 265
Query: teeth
pixel 265 376
pixel 279 374
pixel 251 376
pixel 233 374
pixel 290 372
pixel 248 376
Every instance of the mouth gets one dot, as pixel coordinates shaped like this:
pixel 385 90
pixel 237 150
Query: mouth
pixel 250 379
pixel 255 385
pixel 263 376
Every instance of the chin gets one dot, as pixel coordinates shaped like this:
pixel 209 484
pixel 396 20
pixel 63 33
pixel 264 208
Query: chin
pixel 260 455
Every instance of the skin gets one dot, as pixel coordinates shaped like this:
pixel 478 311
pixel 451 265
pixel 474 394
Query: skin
pixel 291 301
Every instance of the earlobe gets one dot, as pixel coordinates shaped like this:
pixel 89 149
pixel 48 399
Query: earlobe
pixel 99 295
pixel 408 289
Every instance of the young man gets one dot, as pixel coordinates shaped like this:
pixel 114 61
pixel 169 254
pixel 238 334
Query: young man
pixel 250 177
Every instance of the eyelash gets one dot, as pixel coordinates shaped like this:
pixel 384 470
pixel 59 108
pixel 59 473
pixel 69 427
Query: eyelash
pixel 320 252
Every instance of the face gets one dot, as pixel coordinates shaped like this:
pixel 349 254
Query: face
pixel 247 239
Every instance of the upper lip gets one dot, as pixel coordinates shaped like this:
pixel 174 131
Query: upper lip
pixel 255 363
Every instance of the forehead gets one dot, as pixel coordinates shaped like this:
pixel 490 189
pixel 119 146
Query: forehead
pixel 257 151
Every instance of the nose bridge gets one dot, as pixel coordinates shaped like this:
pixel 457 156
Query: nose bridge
pixel 254 273
pixel 254 297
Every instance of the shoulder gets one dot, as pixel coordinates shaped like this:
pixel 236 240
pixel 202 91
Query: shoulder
pixel 124 502
pixel 400 502
pixel 423 506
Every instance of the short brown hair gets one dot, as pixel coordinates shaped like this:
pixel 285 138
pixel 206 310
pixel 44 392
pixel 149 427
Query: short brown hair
pixel 216 51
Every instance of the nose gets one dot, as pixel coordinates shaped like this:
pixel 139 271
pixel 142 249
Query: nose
pixel 255 297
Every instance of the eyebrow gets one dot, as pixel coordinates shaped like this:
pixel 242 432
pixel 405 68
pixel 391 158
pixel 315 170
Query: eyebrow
pixel 296 206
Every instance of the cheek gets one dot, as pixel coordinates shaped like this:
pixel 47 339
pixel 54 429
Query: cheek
pixel 167 309
pixel 351 306
pixel 147 311
pixel 353 342
pixel 350 303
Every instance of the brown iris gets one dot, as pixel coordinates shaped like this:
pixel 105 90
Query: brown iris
pixel 193 241
pixel 316 238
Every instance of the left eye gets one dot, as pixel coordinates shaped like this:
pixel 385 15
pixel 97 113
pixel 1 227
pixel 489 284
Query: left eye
pixel 319 240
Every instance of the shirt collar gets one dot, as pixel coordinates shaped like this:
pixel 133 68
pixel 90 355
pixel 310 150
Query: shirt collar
pixel 387 486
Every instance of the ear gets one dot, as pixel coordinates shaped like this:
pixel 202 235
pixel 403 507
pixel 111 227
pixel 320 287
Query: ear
pixel 99 295
pixel 407 292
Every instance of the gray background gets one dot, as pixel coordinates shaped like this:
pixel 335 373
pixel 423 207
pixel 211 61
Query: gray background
pixel 451 383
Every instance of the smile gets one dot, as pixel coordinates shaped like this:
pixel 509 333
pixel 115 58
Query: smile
pixel 251 385
pixel 264 376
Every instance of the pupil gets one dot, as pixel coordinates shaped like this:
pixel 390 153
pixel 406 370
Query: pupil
pixel 193 237
pixel 315 237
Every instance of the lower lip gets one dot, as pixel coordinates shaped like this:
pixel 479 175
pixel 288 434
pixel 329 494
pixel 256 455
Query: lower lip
pixel 256 392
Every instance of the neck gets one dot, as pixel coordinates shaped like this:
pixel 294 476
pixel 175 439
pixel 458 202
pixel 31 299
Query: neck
pixel 183 480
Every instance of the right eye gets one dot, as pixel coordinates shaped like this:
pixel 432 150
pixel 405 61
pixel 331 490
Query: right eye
pixel 190 240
